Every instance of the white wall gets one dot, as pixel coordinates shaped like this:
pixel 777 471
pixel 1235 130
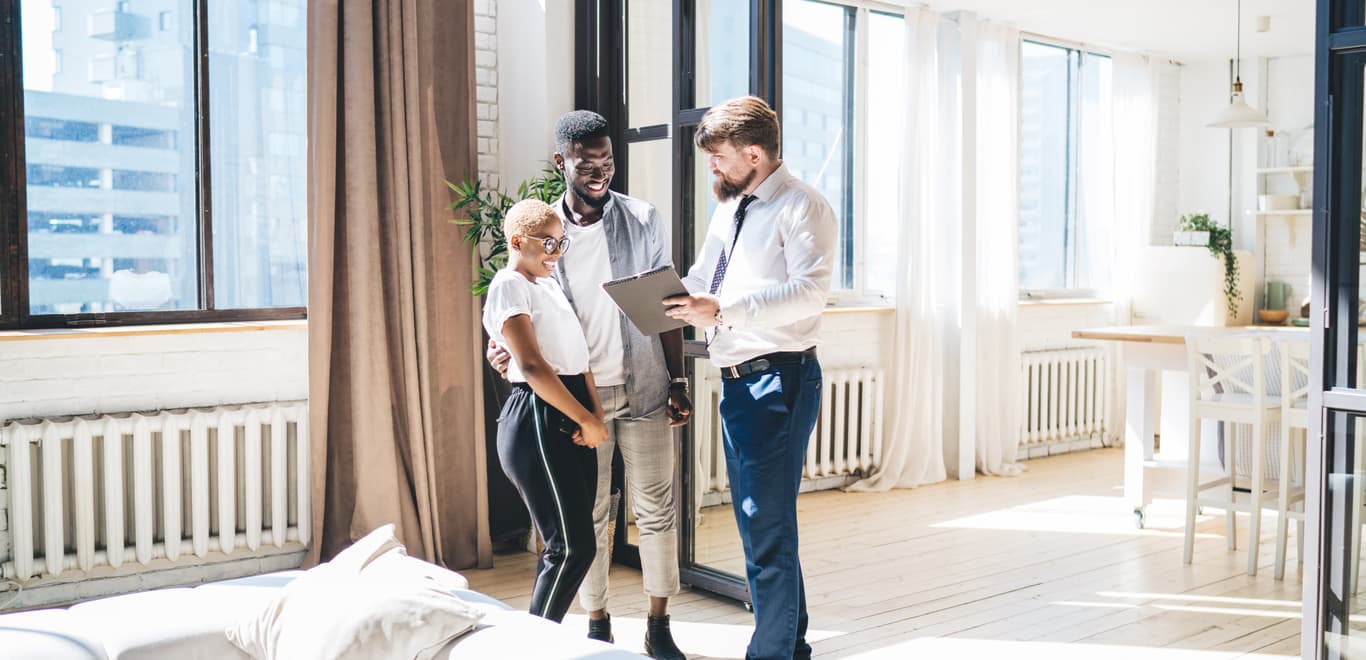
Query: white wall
pixel 1167 201
pixel 1203 159
pixel 103 374
pixel 535 82
pixel 1290 107
pixel 1283 87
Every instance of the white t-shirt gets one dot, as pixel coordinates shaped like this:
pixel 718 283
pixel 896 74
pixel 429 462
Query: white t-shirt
pixel 557 329
pixel 591 266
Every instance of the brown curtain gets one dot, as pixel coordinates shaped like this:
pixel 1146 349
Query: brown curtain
pixel 394 344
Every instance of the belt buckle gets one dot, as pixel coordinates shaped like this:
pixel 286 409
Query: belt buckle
pixel 733 372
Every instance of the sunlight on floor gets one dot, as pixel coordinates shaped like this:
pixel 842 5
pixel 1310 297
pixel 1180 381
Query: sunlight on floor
pixel 1279 609
pixel 931 647
pixel 1085 514
pixel 710 640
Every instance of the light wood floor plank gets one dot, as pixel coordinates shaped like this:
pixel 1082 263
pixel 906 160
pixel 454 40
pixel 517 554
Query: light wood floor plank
pixel 1041 563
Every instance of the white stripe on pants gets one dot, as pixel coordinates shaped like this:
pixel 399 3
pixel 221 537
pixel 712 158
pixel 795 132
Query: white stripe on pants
pixel 648 452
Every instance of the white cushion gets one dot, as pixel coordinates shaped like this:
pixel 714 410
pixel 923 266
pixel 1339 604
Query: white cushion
pixel 170 624
pixel 47 635
pixel 393 607
pixel 398 561
pixel 506 633
pixel 355 558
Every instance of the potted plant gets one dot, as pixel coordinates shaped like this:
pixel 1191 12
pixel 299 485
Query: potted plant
pixel 485 209
pixel 1220 244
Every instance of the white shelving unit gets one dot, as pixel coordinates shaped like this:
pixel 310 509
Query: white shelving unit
pixel 1302 177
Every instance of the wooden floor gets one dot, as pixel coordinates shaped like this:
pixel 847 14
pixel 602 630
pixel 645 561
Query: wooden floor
pixel 1048 564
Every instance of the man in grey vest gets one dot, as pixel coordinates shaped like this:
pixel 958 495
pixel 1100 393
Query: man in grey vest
pixel 640 379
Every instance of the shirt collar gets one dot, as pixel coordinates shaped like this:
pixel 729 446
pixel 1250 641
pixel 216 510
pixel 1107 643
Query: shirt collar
pixel 566 210
pixel 772 183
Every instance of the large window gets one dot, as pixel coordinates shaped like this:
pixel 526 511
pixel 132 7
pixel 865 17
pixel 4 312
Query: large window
pixel 841 130
pixel 162 168
pixel 1065 187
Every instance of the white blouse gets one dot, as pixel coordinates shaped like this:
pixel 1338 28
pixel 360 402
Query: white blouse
pixel 558 332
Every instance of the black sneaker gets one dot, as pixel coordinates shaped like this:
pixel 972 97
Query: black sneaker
pixel 601 629
pixel 659 642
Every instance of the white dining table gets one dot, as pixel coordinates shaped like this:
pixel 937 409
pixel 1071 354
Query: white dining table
pixel 1157 402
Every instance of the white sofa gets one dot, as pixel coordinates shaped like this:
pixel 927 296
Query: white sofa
pixel 189 624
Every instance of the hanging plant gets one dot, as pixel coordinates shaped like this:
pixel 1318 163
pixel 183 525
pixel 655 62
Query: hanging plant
pixel 1220 245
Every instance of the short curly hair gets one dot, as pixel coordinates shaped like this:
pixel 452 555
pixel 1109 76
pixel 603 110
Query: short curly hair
pixel 579 126
pixel 527 218
pixel 742 122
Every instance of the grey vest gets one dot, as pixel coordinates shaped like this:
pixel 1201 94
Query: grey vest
pixel 637 241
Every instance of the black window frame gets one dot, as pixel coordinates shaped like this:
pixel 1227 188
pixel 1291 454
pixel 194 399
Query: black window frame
pixel 14 263
pixel 1336 399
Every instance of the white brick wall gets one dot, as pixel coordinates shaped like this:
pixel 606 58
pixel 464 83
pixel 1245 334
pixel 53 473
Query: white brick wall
pixel 854 339
pixel 486 90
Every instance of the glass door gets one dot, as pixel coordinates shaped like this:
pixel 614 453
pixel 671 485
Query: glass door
pixel 1336 406
pixel 717 56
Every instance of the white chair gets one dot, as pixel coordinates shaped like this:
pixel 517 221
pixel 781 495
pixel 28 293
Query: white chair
pixel 1228 385
pixel 1294 397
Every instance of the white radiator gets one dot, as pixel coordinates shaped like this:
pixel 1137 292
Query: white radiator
pixel 1064 399
pixel 98 491
pixel 846 443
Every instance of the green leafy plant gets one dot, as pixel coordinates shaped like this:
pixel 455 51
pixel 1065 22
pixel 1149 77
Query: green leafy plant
pixel 484 210
pixel 1220 245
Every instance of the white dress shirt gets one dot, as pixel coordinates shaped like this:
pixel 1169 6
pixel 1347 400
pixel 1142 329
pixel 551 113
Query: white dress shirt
pixel 779 272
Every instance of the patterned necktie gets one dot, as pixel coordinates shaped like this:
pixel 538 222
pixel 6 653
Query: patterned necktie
pixel 724 259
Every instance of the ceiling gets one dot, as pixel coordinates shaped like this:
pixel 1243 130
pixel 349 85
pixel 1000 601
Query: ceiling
pixel 1183 30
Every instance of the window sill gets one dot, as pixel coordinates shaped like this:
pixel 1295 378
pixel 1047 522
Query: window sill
pixel 141 330
pixel 857 308
pixel 1065 302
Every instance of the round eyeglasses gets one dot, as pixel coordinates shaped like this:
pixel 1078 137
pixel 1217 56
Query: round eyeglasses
pixel 550 244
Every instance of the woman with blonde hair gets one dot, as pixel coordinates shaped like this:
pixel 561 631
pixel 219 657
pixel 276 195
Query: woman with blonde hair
pixel 552 421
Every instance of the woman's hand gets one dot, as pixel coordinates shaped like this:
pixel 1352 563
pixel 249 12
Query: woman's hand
pixel 498 358
pixel 591 434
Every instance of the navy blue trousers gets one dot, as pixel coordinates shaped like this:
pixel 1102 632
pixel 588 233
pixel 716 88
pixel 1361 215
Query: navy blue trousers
pixel 767 421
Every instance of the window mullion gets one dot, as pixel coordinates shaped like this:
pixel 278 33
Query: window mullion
pixel 1070 233
pixel 13 264
pixel 859 145
pixel 202 140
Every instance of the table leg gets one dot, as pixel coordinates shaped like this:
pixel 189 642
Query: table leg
pixel 1140 424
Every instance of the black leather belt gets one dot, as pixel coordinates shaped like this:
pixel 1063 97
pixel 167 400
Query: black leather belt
pixel 766 362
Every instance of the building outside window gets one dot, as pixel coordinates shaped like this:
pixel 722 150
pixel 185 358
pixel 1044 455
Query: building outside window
pixel 843 137
pixel 1064 119
pixel 114 208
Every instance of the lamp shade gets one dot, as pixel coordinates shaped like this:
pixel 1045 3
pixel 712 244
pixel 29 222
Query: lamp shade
pixel 1239 114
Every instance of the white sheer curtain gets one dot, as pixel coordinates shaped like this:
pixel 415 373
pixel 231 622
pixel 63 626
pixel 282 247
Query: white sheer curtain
pixel 926 268
pixel 1134 129
pixel 1135 169
pixel 1096 194
pixel 998 222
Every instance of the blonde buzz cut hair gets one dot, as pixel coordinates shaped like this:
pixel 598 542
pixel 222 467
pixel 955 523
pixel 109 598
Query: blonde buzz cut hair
pixel 527 218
